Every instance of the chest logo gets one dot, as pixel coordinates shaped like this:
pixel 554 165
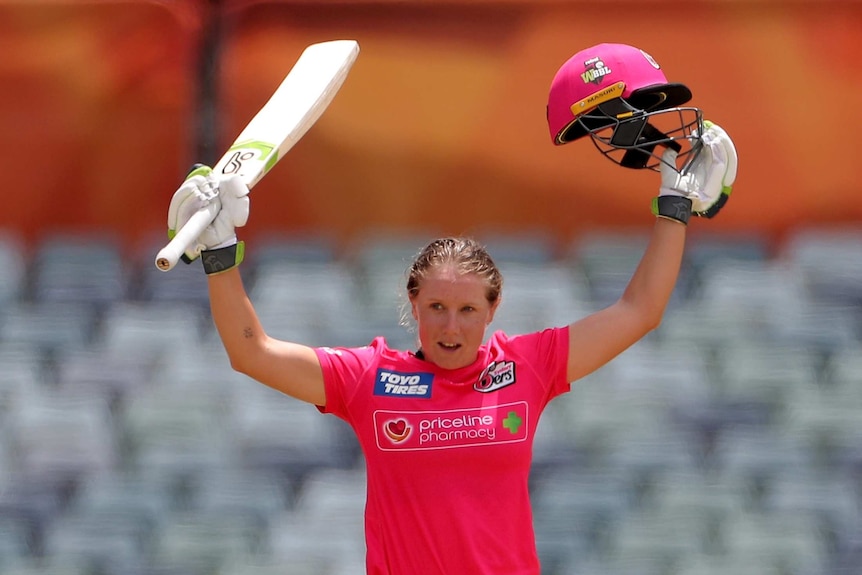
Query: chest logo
pixel 420 430
pixel 496 376
pixel 397 430
pixel 397 384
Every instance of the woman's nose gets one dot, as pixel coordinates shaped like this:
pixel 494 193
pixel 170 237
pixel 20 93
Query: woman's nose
pixel 451 322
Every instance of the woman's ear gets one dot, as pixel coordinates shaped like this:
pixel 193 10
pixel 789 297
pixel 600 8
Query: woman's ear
pixel 493 311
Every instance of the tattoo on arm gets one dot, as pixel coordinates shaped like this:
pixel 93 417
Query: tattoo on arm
pixel 247 333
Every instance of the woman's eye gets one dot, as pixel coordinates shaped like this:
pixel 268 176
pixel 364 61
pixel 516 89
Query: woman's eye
pixel 436 306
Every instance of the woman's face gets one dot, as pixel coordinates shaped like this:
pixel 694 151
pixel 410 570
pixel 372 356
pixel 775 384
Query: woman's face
pixel 451 312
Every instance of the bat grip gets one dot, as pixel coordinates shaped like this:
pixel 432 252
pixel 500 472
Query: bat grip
pixel 169 255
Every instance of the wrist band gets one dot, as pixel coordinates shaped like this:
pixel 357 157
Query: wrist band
pixel 672 207
pixel 222 259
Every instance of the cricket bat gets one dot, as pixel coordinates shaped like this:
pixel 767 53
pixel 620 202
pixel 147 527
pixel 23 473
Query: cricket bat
pixel 293 108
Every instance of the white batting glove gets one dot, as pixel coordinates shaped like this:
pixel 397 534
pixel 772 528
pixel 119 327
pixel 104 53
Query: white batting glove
pixel 227 197
pixel 708 181
pixel 233 194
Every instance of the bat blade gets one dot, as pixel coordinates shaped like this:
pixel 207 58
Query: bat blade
pixel 293 108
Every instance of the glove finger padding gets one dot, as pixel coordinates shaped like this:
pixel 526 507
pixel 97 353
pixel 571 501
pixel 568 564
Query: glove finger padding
pixel 198 191
pixel 717 174
pixel 233 195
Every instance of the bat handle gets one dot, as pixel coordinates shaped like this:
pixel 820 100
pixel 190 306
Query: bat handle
pixel 169 255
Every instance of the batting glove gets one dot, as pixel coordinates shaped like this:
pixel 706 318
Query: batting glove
pixel 708 181
pixel 228 199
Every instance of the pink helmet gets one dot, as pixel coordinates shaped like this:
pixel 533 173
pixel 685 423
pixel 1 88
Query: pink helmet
pixel 616 93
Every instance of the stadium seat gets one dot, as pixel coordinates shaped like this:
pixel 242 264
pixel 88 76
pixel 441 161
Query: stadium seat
pixel 774 375
pixel 78 269
pixel 207 371
pixel 106 375
pixel 24 374
pixel 264 564
pixel 349 565
pixel 150 329
pixel 830 260
pixel 139 499
pixel 327 522
pixel 553 444
pixel 607 260
pixel 41 567
pixel 786 542
pixel 658 374
pixel 581 504
pixel 99 541
pixel 48 326
pixel 750 291
pixel 183 284
pixel 540 295
pixel 14 541
pixel 201 543
pixel 258 497
pixel 705 250
pixel 380 262
pixel 310 296
pixel 67 436
pixel 848 556
pixel 830 500
pixel 760 454
pixel 31 503
pixel 276 433
pixel 844 371
pixel 280 248
pixel 597 417
pixel 708 327
pixel 827 426
pixel 656 541
pixel 723 564
pixel 518 248
pixel 176 434
pixel 702 496
pixel 14 265
pixel 644 452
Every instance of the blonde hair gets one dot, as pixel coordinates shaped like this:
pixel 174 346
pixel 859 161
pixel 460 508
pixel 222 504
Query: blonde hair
pixel 465 254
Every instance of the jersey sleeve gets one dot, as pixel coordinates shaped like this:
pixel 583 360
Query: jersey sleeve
pixel 547 354
pixel 343 369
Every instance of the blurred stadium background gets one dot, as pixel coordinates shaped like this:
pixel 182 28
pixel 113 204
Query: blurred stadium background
pixel 727 442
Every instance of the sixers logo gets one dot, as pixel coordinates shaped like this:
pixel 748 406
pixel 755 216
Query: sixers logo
pixel 497 375
pixel 397 430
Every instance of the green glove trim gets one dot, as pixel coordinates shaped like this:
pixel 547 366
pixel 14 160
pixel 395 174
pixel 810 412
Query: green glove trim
pixel 675 208
pixel 199 170
pixel 222 259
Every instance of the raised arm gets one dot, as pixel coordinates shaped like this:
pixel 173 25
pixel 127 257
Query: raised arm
pixel 598 338
pixel 288 367
pixel 702 191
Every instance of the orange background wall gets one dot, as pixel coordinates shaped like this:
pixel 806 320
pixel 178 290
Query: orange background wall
pixel 440 125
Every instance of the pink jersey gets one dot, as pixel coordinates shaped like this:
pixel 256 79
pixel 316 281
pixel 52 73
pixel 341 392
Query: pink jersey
pixel 448 452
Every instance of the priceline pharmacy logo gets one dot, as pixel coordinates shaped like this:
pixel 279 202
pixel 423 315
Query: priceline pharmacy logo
pixel 418 430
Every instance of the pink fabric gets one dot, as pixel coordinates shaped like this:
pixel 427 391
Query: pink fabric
pixel 448 453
